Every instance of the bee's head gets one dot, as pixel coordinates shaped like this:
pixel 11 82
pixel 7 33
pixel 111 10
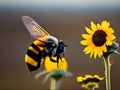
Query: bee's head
pixel 51 45
pixel 61 48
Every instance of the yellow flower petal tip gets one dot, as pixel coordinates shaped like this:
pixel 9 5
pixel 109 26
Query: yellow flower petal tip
pixel 79 79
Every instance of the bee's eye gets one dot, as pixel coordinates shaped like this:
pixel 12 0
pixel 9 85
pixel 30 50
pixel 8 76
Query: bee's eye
pixel 50 45
pixel 53 45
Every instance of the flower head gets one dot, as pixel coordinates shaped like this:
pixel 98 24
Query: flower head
pixel 89 81
pixel 50 65
pixel 54 69
pixel 98 38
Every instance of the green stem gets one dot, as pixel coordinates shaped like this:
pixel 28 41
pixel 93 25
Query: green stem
pixel 107 72
pixel 91 88
pixel 54 84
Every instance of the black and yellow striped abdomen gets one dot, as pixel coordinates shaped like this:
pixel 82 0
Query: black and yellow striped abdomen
pixel 34 55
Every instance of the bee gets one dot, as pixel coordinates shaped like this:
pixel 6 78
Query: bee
pixel 44 45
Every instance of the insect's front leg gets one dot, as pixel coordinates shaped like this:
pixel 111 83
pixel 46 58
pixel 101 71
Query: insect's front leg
pixel 53 60
pixel 59 58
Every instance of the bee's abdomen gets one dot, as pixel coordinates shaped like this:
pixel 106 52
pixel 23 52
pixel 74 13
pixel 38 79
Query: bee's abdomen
pixel 33 57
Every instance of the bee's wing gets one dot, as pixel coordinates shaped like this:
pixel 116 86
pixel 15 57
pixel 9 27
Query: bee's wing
pixel 35 29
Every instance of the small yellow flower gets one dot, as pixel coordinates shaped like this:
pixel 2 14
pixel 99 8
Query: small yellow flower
pixel 89 81
pixel 98 37
pixel 49 65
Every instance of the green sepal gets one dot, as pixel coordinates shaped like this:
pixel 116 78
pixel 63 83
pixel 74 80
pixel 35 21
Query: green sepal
pixel 112 49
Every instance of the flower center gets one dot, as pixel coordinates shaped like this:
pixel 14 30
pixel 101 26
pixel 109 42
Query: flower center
pixel 99 38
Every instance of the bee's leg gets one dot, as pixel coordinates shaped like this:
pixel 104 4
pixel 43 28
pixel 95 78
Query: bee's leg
pixel 60 58
pixel 57 64
pixel 58 61
pixel 53 60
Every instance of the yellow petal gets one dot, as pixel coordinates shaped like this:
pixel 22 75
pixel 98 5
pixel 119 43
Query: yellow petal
pixel 84 42
pixel 87 52
pixel 111 37
pixel 79 79
pixel 87 49
pixel 96 76
pixel 108 43
pixel 105 24
pixel 89 31
pixel 88 76
pixel 85 36
pixel 91 54
pixel 99 78
pixel 104 48
pixel 100 53
pixel 110 31
pixel 93 26
pixel 96 50
pixel 90 49
pixel 99 26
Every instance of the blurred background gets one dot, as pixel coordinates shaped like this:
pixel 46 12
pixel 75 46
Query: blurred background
pixel 64 19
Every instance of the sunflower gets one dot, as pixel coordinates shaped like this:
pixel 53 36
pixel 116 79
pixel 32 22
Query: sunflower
pixel 98 37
